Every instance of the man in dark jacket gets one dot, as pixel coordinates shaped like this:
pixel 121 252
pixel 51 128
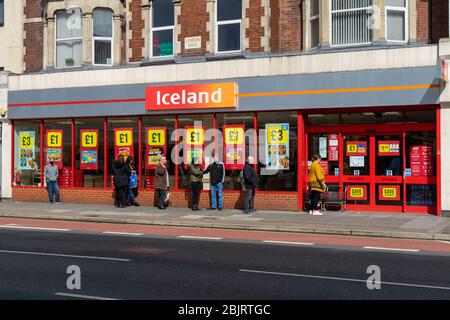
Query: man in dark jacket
pixel 217 176
pixel 121 173
pixel 250 182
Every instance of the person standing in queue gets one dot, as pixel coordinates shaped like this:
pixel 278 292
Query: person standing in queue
pixel 121 173
pixel 51 178
pixel 217 177
pixel 162 183
pixel 133 185
pixel 196 176
pixel 250 181
pixel 316 185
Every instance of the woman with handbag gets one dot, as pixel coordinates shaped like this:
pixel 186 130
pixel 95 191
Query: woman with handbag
pixel 316 185
pixel 133 185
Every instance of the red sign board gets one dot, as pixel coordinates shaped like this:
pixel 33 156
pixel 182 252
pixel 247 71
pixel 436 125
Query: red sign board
pixel 123 142
pixel 389 192
pixel 333 147
pixel 89 149
pixel 356 148
pixel 192 96
pixel 357 192
pixel 390 148
pixel 421 161
pixel 324 165
pixel 156 145
pixel 234 146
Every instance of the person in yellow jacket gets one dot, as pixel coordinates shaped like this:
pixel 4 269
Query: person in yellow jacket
pixel 316 185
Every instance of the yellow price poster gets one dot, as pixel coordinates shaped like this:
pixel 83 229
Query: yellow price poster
pixel 195 136
pixel 156 136
pixel 383 148
pixel 357 192
pixel 124 137
pixel 26 139
pixel 54 139
pixel 234 135
pixel 389 192
pixel 89 138
pixel 356 148
pixel 277 133
pixel 389 148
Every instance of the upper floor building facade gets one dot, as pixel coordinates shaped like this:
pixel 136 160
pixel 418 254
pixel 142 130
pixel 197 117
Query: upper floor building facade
pixel 49 35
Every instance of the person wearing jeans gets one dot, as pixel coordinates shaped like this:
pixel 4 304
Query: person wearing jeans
pixel 217 176
pixel 162 183
pixel 51 177
pixel 250 180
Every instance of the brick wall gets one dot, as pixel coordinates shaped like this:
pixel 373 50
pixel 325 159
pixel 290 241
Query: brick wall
pixel 137 42
pixel 274 26
pixel 263 201
pixel 287 32
pixel 193 20
pixel 255 31
pixel 34 37
pixel 439 20
pixel 423 30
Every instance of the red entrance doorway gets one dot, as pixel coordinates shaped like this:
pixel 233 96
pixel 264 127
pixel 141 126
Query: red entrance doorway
pixel 381 167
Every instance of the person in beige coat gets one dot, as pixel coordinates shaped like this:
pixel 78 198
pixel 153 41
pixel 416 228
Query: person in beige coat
pixel 162 182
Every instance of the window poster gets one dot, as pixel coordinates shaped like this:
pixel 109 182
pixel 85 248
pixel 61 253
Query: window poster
pixel 357 148
pixel 234 146
pixel 27 145
pixel 389 192
pixel 156 146
pixel 357 192
pixel 323 147
pixel 356 161
pixel 333 147
pixel 277 144
pixel 389 148
pixel 89 149
pixel 54 143
pixel 194 142
pixel 123 142
pixel 421 161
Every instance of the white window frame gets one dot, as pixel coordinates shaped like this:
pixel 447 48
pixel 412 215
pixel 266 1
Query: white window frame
pixel 111 39
pixel 225 22
pixel 165 28
pixel 330 4
pixel 397 9
pixel 55 50
pixel 311 19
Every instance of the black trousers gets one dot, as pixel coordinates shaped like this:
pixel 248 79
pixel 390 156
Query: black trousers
pixel 122 195
pixel 249 198
pixel 162 198
pixel 196 188
pixel 314 197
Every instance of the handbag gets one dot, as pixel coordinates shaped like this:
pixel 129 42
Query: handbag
pixel 133 181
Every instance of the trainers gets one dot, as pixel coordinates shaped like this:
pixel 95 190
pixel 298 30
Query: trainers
pixel 220 209
pixel 247 212
pixel 317 213
pixel 58 202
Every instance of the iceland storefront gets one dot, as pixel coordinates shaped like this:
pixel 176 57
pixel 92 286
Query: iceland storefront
pixel 377 132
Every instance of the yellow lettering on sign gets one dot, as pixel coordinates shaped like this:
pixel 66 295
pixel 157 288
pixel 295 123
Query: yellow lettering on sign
pixel 383 148
pixel 390 192
pixel 156 137
pixel 234 136
pixel 124 138
pixel 54 139
pixel 352 148
pixel 276 135
pixel 195 136
pixel 26 140
pixel 357 192
pixel 89 139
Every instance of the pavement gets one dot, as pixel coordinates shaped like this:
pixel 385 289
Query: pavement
pixel 371 224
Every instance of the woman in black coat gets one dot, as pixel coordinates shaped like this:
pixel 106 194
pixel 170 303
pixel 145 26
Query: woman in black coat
pixel 121 173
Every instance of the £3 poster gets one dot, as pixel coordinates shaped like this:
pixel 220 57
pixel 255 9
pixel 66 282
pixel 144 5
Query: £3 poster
pixel 277 144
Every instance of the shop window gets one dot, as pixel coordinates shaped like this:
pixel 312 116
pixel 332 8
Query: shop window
pixel 123 138
pixel 426 116
pixel 68 39
pixel 103 37
pixel 89 153
pixel 356 155
pixel 234 155
pixel 197 142
pixel 2 13
pixel 228 25
pixel 372 117
pixel 314 23
pixel 58 146
pixel 320 119
pixel 278 149
pixel 421 195
pixel 396 20
pixel 389 155
pixel 420 154
pixel 27 153
pixel 349 22
pixel 162 28
pixel 154 145
pixel 327 146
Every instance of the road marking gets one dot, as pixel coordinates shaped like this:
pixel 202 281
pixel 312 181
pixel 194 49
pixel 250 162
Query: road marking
pixel 288 242
pixel 447 242
pixel 123 233
pixel 202 238
pixel 32 228
pixel 343 279
pixel 392 249
pixel 63 255
pixel 71 295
